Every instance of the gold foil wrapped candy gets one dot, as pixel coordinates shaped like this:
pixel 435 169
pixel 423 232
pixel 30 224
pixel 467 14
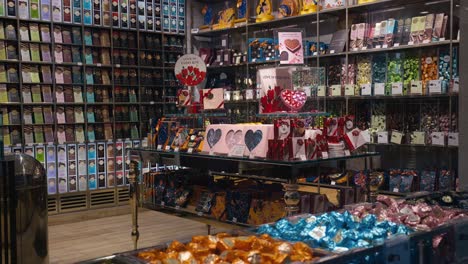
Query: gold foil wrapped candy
pixel 224 248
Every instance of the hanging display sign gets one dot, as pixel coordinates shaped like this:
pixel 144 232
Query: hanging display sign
pixel 190 70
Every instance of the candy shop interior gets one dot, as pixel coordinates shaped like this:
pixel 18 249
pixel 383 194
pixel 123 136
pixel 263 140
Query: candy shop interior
pixel 308 131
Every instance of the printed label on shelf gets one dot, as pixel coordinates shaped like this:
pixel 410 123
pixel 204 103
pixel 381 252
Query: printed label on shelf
pixel 396 45
pixel 426 41
pixel 364 48
pixel 385 46
pixel 435 86
pixel 355 49
pixel 397 88
pixel 336 90
pixel 416 87
pixel 321 91
pixel 349 89
pixel 200 213
pixel 159 147
pixel 315 54
pixel 99 64
pixel 438 138
pixel 190 150
pixel 332 51
pixel 378 46
pixel 333 183
pixel 237 151
pixel 234 220
pixel 382 137
pixel 441 39
pixel 195 30
pixel 176 149
pixel 303 157
pixel 80 64
pixel 396 137
pixel 117 65
pixel 366 89
pixel 379 89
pixel 168 148
pixel 411 43
pixel 177 207
pixel 395 190
pixel 163 203
pixel 456 85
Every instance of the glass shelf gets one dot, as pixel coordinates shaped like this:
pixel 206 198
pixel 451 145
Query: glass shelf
pixel 293 163
pixel 303 114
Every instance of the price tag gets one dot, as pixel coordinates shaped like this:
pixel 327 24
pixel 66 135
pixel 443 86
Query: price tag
pixel 441 39
pixel 379 89
pixel 80 64
pixel 176 149
pixel 382 137
pixel 416 87
pixel 195 30
pixel 200 213
pixel 349 89
pixel 168 148
pixel 456 85
pixel 435 86
pixel 303 157
pixel 99 64
pixel 397 88
pixel 364 48
pixel 18 145
pixel 267 59
pixel 177 207
pixel 159 147
pixel 254 60
pixel 315 54
pixel 396 44
pixel 333 183
pixel 117 65
pixel 50 143
pixel 396 137
pixel 378 46
pixel 332 51
pixel 395 190
pixel 237 151
pixel 347 153
pixel 234 220
pixel 385 46
pixel 355 49
pixel 426 41
pixel 411 43
pixel 221 64
pixel 366 89
pixel 321 91
pixel 336 90
pixel 324 155
pixel 453 139
pixel 190 150
pixel 418 138
pixel 163 203
pixel 438 138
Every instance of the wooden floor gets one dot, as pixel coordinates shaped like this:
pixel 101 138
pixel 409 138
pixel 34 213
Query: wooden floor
pixel 71 242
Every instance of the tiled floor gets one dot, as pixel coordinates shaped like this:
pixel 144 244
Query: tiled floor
pixel 88 239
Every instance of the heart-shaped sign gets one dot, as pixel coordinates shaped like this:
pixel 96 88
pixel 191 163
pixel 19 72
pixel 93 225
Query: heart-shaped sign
pixel 252 139
pixel 213 137
pixel 233 138
pixel 293 99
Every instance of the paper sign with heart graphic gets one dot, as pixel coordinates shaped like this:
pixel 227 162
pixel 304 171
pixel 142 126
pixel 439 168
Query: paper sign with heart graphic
pixel 213 137
pixel 252 139
pixel 233 138
pixel 293 99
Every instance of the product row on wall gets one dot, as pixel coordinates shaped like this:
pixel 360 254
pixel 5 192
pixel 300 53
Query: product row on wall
pixel 150 15
pixel 81 167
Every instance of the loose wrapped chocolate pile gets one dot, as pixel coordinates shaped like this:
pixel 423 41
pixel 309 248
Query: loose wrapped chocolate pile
pixel 335 231
pixel 421 216
pixel 224 248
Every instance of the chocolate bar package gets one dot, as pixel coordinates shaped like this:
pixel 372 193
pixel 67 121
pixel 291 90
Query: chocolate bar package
pixel 45 10
pixel 23 9
pixel 67 11
pixel 57 10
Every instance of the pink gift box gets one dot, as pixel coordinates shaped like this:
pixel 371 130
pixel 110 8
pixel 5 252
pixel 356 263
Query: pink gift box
pixel 256 140
pixel 213 98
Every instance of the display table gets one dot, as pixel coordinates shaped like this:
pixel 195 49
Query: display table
pixel 286 172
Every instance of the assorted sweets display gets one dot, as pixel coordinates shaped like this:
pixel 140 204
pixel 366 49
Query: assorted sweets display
pixel 149 15
pixel 81 167
pixel 286 139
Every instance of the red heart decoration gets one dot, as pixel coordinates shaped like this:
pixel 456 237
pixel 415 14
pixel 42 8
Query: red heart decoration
pixel 294 100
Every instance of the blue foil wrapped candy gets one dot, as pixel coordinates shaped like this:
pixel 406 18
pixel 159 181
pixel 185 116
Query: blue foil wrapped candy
pixel 335 231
